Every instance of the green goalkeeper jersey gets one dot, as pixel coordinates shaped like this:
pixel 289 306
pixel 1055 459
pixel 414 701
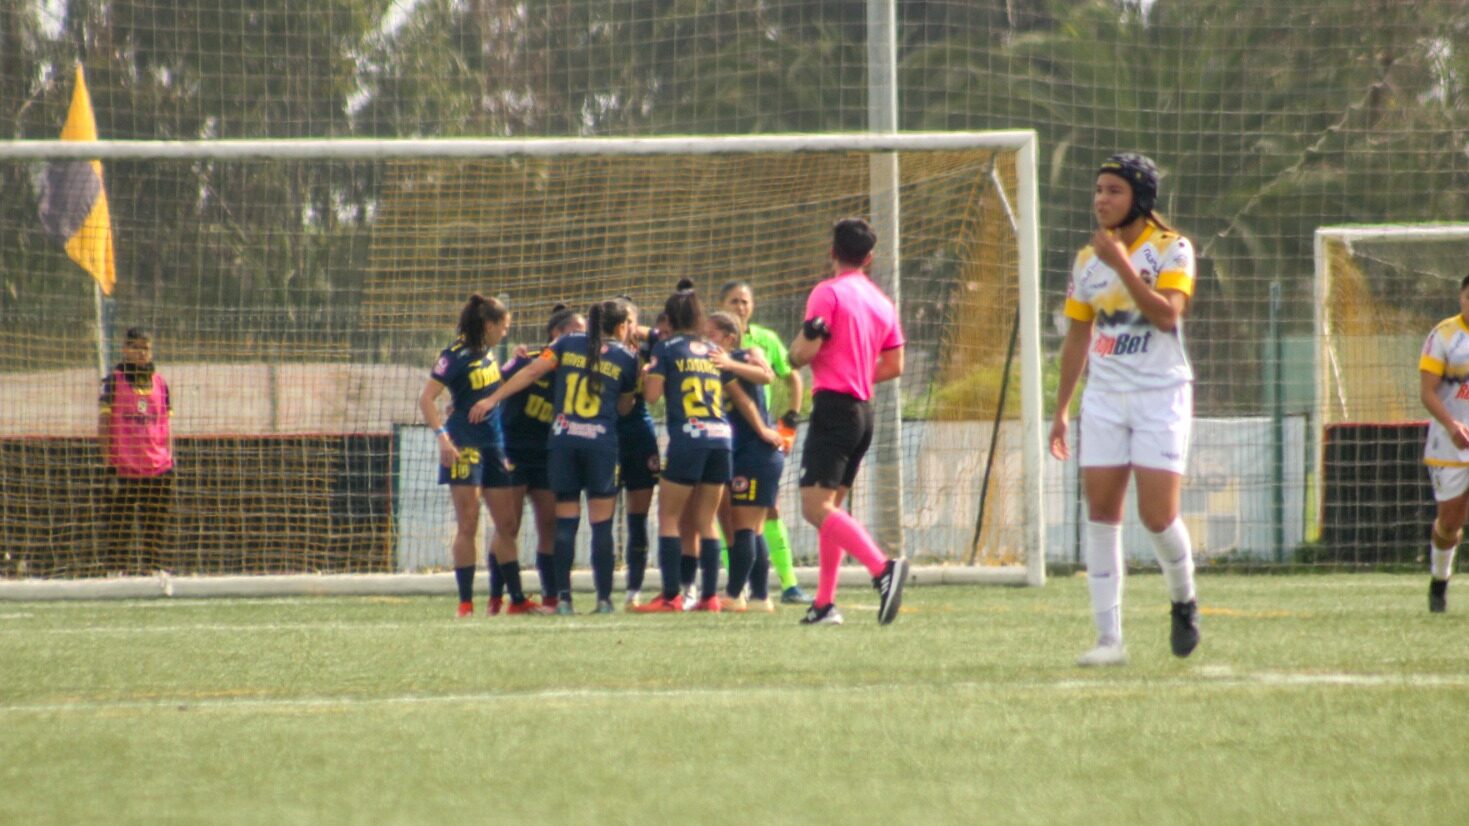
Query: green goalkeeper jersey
pixel 775 352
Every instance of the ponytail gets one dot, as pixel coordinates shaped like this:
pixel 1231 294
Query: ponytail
pixel 685 313
pixel 477 312
pixel 594 348
pixel 603 319
pixel 561 318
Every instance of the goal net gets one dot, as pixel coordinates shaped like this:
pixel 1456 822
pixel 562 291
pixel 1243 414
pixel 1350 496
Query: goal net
pixel 1380 290
pixel 297 293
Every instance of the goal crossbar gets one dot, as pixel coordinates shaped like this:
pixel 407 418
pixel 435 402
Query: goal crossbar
pixel 356 149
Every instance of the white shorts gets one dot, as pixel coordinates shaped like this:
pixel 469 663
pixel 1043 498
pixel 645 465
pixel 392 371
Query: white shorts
pixel 1448 482
pixel 1142 428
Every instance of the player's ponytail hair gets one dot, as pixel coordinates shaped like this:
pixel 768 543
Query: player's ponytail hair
pixel 726 324
pixel 685 313
pixel 561 318
pixel 603 319
pixel 479 311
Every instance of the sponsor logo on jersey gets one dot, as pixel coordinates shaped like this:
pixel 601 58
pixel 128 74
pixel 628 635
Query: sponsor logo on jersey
pixel 581 430
pixel 1123 344
pixel 1463 393
pixel 699 428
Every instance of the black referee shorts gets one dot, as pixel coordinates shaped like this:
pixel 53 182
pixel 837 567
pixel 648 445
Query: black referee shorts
pixel 837 437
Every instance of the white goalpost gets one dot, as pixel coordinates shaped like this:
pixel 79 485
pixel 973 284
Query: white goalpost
pixel 1379 289
pixel 300 302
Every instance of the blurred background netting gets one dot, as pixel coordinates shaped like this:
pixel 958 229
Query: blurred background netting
pixel 1268 119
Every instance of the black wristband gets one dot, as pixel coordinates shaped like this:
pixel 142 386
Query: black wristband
pixel 815 328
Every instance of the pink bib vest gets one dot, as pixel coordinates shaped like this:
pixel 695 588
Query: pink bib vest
pixel 139 428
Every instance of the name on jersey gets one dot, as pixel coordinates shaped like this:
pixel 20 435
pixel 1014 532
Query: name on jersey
pixel 1125 344
pixel 606 368
pixel 482 377
pixel 581 430
pixel 695 366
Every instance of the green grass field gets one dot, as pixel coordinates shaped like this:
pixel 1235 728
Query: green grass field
pixel 1313 699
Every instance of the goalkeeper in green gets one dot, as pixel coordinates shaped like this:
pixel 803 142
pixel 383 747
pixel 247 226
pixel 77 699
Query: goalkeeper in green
pixel 738 299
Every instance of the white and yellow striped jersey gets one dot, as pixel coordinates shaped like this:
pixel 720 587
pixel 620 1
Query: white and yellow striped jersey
pixel 1127 352
pixel 1446 354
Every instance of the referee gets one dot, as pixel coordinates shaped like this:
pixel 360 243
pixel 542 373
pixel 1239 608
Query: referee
pixel 852 340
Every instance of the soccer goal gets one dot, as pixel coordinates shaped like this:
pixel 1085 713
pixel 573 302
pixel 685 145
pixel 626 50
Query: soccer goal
pixel 297 292
pixel 1380 289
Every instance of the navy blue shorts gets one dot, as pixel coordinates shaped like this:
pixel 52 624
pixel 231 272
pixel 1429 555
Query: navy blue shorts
pixel 698 465
pixel 638 449
pixel 572 470
pixel 530 469
pixel 482 467
pixel 757 471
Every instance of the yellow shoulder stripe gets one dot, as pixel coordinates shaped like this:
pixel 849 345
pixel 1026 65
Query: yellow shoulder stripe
pixel 1429 364
pixel 1176 280
pixel 1079 310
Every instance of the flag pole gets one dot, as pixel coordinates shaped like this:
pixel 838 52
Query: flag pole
pixel 100 303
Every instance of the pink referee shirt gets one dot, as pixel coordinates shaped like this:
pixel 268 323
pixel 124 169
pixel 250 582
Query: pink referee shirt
pixel 863 324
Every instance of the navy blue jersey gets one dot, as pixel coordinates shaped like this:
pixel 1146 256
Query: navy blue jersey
pixel 694 392
pixel 745 433
pixel 584 418
pixel 470 376
pixel 526 416
pixel 638 421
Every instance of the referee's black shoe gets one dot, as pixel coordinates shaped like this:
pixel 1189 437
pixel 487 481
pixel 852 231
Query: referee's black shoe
pixel 889 585
pixel 1438 595
pixel 1185 635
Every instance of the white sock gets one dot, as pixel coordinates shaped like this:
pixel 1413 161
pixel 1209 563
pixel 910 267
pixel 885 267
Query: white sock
pixel 1175 553
pixel 1104 575
pixel 1442 561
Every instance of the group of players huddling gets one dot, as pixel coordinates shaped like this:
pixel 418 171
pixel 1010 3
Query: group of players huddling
pixel 575 412
pixel 571 420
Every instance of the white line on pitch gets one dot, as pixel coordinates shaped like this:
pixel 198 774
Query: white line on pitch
pixel 1269 679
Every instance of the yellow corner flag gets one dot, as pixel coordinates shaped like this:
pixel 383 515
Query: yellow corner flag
pixel 74 200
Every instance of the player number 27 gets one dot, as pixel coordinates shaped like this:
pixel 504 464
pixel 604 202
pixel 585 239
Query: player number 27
pixel 700 396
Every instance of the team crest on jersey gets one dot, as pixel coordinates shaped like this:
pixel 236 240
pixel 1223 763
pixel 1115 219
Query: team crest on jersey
pixel 442 366
pixel 698 348
pixel 739 484
pixel 142 406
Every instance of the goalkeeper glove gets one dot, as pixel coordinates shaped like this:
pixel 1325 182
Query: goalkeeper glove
pixel 786 427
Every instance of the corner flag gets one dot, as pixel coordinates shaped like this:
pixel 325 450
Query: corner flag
pixel 74 201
